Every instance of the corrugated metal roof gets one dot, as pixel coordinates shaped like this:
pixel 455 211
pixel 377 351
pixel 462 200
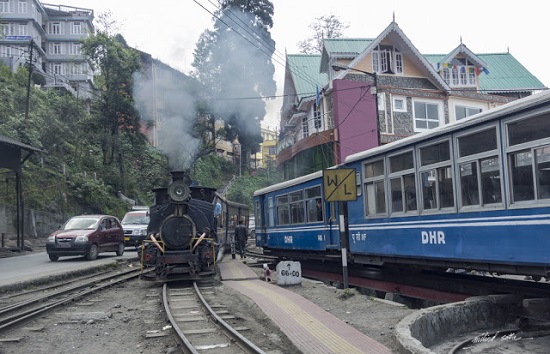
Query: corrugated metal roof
pixel 9 141
pixel 346 45
pixel 305 74
pixel 505 73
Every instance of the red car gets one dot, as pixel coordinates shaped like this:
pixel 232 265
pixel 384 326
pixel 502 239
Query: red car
pixel 86 235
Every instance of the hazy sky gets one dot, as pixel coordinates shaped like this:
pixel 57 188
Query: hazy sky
pixel 169 29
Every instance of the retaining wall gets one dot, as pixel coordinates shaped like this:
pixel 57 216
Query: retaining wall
pixel 427 327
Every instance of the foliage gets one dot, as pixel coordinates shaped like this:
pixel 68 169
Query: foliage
pixel 235 63
pixel 242 190
pixel 323 27
pixel 115 111
pixel 70 176
pixel 212 171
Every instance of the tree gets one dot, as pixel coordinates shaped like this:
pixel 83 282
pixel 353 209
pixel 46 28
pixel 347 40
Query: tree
pixel 234 61
pixel 116 114
pixel 323 27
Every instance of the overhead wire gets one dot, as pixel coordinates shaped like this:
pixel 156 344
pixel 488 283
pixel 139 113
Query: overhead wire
pixel 251 32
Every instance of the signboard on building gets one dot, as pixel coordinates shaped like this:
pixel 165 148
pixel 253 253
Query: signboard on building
pixel 18 38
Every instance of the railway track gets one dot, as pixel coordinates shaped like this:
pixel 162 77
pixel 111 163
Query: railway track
pixel 199 320
pixel 22 310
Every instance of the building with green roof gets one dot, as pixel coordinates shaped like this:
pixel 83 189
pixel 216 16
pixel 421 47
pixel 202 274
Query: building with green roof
pixel 363 92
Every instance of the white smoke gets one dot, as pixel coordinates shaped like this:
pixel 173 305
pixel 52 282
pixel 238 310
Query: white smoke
pixel 162 96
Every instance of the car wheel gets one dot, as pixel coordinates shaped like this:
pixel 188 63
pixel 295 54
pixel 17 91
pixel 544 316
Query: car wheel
pixel 120 250
pixel 53 257
pixel 92 253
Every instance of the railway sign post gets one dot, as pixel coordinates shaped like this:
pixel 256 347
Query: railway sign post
pixel 340 186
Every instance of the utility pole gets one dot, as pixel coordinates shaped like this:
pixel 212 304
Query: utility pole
pixel 31 46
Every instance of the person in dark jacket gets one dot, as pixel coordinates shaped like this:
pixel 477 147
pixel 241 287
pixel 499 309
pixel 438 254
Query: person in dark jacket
pixel 240 238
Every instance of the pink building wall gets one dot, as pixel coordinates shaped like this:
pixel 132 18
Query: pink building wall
pixel 354 117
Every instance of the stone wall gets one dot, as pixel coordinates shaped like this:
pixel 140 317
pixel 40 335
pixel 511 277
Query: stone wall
pixel 37 224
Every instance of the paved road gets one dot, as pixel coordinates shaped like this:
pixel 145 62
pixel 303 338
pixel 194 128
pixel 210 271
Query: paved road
pixel 34 265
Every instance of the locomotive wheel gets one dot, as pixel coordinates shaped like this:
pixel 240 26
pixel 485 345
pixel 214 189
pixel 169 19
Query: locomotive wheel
pixel 92 253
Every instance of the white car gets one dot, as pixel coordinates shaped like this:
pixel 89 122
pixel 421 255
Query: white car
pixel 135 224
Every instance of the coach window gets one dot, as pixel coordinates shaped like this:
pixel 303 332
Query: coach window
pixel 270 215
pixel 529 158
pixel 297 211
pixel 375 195
pixel 479 168
pixel 402 183
pixel 283 214
pixel 314 204
pixel 436 178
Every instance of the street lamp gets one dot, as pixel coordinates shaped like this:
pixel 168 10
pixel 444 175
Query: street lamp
pixel 375 84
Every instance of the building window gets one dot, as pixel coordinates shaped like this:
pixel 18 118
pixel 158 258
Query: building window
pixel 6 5
pixel 459 75
pixel 381 101
pixel 426 115
pixel 57 68
pixel 22 6
pixel 76 28
pixel 399 104
pixel 387 59
pixel 398 63
pixel 56 48
pixel 7 29
pixel 76 69
pixel 23 30
pixel 54 28
pixel 74 48
pixel 463 111
pixel 272 150
pixel 305 128
pixel 317 118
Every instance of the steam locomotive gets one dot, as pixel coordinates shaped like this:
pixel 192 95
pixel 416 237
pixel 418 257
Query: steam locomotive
pixel 181 233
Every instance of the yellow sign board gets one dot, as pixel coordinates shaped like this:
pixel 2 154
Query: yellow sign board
pixel 339 185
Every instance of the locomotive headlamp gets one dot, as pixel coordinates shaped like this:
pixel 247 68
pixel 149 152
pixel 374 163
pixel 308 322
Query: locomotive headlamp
pixel 178 191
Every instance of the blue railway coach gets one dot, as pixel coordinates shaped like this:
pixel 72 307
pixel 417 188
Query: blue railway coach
pixel 472 195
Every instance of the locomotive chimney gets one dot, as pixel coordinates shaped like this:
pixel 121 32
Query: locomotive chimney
pixel 181 176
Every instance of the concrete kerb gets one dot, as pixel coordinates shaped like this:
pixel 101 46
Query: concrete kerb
pixel 45 280
pixel 427 327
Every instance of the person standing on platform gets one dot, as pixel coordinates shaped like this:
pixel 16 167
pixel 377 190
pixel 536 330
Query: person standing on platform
pixel 217 213
pixel 240 238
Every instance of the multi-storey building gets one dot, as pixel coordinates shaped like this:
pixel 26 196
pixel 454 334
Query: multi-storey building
pixel 265 158
pixel 361 93
pixel 49 36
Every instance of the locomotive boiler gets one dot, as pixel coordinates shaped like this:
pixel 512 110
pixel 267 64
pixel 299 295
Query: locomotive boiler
pixel 180 241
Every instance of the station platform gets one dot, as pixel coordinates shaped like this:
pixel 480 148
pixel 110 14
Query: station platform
pixel 308 326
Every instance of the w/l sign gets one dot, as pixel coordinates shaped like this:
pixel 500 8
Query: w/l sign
pixel 339 185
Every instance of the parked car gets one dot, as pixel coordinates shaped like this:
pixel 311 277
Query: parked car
pixel 135 224
pixel 86 235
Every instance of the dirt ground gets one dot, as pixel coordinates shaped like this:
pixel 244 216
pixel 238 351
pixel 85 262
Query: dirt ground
pixel 118 321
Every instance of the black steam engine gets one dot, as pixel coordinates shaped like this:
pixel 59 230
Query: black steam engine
pixel 180 243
